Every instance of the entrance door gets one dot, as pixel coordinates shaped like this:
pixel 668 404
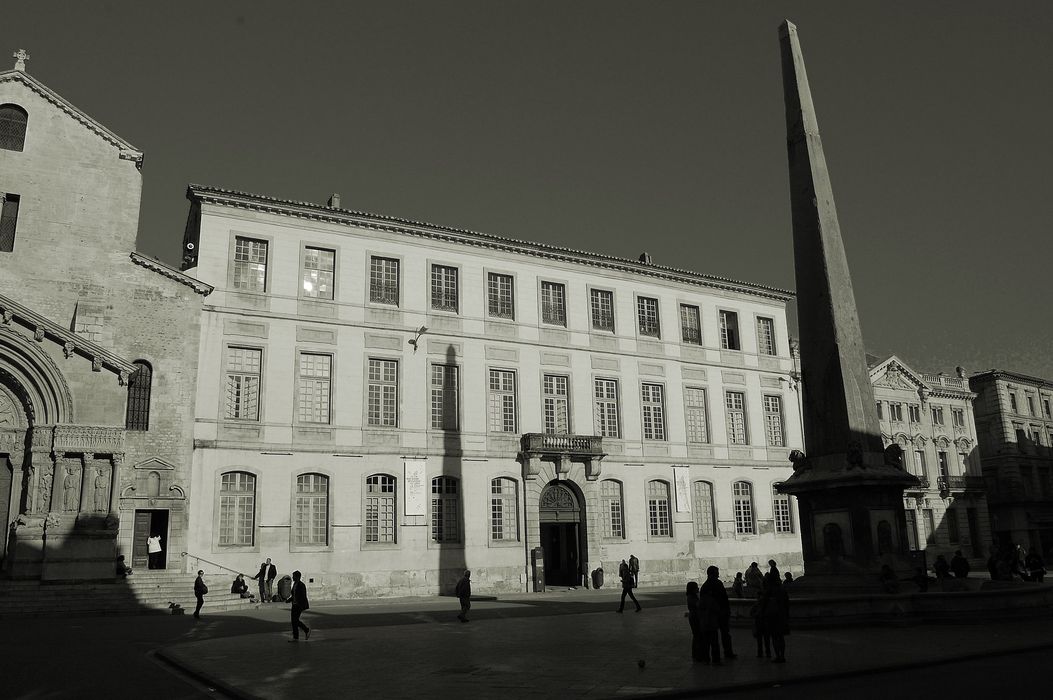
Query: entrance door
pixel 561 535
pixel 147 524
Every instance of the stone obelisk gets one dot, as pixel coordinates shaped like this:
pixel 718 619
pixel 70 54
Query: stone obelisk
pixel 849 489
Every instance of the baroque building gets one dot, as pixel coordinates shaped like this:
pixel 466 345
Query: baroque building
pixel 1013 416
pixel 930 416
pixel 383 403
pixel 98 349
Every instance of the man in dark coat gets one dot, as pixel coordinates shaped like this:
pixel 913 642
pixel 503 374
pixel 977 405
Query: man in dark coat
pixel 464 595
pixel 299 604
pixel 959 565
pixel 266 577
pixel 200 589
pixel 627 586
pixel 714 588
pixel 634 569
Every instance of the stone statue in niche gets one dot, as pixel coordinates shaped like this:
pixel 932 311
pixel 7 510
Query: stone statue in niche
pixel 102 502
pixel 71 484
pixel 44 505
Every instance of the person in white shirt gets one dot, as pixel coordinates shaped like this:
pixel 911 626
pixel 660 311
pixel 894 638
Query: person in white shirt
pixel 153 546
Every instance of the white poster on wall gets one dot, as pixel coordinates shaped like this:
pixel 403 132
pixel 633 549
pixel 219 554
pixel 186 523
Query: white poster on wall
pixel 682 484
pixel 416 471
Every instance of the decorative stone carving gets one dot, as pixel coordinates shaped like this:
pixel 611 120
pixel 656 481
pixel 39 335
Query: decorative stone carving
pixel 96 364
pixel 71 494
pixel 67 349
pixel 799 461
pixel 46 483
pixel 557 497
pixel 89 438
pixel 122 378
pixel 38 334
pixel 8 314
pixel 102 491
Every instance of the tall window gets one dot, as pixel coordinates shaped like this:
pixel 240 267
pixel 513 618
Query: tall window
pixel 766 335
pixel 690 324
pixel 930 525
pixel 502 401
pixel 380 508
pixel 319 265
pixel 1012 402
pixel 444 288
pixel 945 470
pixel 384 280
pixel 13 121
pixel 445 513
pixel 613 515
pixel 919 464
pixel 735 403
pixel 556 407
pixel 937 415
pixel 659 522
pixel 773 421
pixel 314 387
pixel 383 393
pixel 250 264
pixel 880 410
pixel 553 303
pixel 653 412
pixel 912 530
pixel 914 412
pixel 705 516
pixel 697 425
pixel 311 524
pixel 504 510
pixel 729 330
pixel 444 397
pixel 647 313
pixel 1030 404
pixel 742 492
pixel 237 509
pixel 781 509
pixel 138 416
pixel 958 417
pixel 895 411
pixel 243 383
pixel 1045 407
pixel 8 221
pixel 605 393
pixel 500 295
pixel 601 302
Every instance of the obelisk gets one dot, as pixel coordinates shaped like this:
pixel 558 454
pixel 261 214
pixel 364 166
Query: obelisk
pixel 849 490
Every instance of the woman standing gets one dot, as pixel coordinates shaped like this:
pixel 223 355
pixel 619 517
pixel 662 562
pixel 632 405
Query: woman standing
pixel 693 620
pixel 775 608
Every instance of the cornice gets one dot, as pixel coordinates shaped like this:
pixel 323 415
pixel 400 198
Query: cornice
pixel 171 273
pixel 1012 376
pixel 317 212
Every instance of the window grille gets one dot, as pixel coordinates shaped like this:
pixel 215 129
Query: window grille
pixel 139 385
pixel 444 288
pixel 243 383
pixel 553 304
pixel 690 324
pixel 602 304
pixel 647 312
pixel 13 122
pixel 384 280
pixel 250 264
pixel 500 299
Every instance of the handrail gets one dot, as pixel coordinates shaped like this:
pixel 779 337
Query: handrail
pixel 225 568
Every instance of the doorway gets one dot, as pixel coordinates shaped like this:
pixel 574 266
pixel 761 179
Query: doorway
pixel 148 523
pixel 562 535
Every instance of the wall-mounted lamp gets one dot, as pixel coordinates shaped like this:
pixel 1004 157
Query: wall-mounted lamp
pixel 413 341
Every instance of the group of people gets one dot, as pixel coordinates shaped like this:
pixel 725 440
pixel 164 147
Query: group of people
pixel 298 598
pixel 709 613
pixel 1010 563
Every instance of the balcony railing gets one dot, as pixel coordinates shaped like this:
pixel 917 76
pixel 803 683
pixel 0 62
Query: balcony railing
pixel 944 380
pixel 562 444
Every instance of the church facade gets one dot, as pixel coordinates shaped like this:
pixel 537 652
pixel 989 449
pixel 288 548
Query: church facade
pixel 382 404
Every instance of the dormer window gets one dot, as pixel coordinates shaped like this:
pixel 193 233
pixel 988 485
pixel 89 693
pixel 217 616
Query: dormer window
pixel 13 120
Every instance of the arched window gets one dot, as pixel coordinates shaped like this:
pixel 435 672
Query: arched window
pixel 445 510
pixel 705 517
pixel 659 521
pixel 504 510
pixel 311 510
pixel 613 513
pixel 237 509
pixel 138 417
pixel 13 120
pixel 781 510
pixel 743 494
pixel 380 508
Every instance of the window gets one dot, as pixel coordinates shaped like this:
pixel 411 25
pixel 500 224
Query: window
pixel 1030 404
pixel 945 470
pixel 613 518
pixel 314 387
pixel 937 415
pixel 13 121
pixel 697 425
pixel 914 412
pixel 705 517
pixel 318 267
pixel 766 336
pixel 964 457
pixel 444 288
pixel 653 412
pixel 502 401
pixel 556 408
pixel 444 397
pixel 237 509
pixel 729 330
pixel 138 416
pixel 601 302
pixel 958 417
pixel 445 513
pixel 504 510
pixel 895 411
pixel 243 383
pixel 8 221
pixel 647 313
pixel 912 530
pixel 250 264
pixel 659 523
pixel 500 295
pixel 384 280
pixel 930 525
pixel 380 508
pixel 383 393
pixel 553 303
pixel 690 324
pixel 606 403
pixel 880 411
pixel 742 491
pixel 735 401
pixel 781 510
pixel 1045 407
pixel 1012 402
pixel 311 520
pixel 919 463
pixel 773 420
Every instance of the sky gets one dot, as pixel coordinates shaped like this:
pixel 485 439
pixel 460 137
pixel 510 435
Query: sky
pixel 616 127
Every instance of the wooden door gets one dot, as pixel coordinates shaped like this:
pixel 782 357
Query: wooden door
pixel 140 533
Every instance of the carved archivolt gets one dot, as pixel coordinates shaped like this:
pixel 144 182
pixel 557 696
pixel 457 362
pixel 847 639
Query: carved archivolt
pixel 89 438
pixel 558 497
pixel 34 371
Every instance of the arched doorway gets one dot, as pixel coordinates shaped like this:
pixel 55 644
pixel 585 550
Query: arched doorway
pixel 14 428
pixel 562 534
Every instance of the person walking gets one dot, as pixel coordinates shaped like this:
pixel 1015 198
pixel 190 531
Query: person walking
pixel 154 549
pixel 464 595
pixel 775 607
pixel 627 586
pixel 959 565
pixel 634 569
pixel 754 579
pixel 693 619
pixel 200 589
pixel 299 604
pixel 709 625
pixel 714 588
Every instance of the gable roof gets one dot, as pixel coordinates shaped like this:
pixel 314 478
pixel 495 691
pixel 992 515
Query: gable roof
pixel 893 366
pixel 171 273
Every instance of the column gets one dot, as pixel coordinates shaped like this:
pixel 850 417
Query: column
pixel 56 484
pixel 42 461
pixel 87 482
pixel 115 482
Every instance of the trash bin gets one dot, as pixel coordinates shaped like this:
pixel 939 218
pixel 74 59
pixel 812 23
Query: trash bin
pixel 284 589
pixel 597 578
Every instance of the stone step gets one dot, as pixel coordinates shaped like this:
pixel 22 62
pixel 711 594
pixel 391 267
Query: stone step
pixel 122 607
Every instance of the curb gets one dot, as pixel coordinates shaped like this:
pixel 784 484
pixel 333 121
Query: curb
pixel 221 686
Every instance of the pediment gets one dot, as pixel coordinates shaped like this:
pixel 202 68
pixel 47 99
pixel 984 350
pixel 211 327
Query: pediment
pixel 155 464
pixel 894 374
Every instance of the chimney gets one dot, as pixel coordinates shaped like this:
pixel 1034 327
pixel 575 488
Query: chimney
pixel 645 258
pixel 334 201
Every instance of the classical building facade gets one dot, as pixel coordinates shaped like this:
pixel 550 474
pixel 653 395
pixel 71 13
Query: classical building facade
pixel 930 416
pixel 384 403
pixel 98 350
pixel 1014 420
